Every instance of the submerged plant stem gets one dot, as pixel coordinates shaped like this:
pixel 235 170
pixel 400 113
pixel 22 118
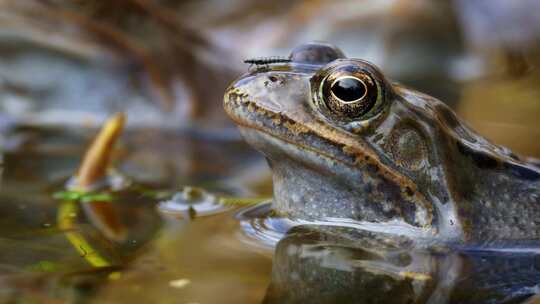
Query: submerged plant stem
pixel 93 169
pixel 67 213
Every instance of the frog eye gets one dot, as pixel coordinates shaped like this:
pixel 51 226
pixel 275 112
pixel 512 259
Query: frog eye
pixel 351 96
pixel 348 89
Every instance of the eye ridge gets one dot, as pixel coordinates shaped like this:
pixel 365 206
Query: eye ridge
pixel 365 89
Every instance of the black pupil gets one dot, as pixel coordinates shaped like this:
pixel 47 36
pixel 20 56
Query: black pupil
pixel 348 89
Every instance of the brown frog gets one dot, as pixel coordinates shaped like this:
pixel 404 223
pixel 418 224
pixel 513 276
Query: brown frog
pixel 346 144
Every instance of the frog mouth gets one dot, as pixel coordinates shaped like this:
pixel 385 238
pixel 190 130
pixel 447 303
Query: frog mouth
pixel 285 132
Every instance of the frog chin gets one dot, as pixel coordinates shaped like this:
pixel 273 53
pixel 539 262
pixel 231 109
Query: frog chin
pixel 311 186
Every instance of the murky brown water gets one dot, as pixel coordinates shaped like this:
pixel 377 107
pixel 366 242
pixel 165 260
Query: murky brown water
pixel 58 250
pixel 130 250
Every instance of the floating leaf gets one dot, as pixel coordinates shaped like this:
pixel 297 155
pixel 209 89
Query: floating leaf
pixel 85 197
pixel 96 197
pixel 67 195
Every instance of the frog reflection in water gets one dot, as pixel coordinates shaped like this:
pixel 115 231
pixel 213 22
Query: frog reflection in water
pixel 324 265
pixel 346 143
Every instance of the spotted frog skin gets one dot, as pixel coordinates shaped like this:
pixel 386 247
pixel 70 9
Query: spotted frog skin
pixel 346 144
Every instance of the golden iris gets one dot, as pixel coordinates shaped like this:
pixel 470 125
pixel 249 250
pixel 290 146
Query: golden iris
pixel 349 95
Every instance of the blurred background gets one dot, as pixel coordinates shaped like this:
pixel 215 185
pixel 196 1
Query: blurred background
pixel 166 63
pixel 67 65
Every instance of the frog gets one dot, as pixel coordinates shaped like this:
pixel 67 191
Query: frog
pixel 348 146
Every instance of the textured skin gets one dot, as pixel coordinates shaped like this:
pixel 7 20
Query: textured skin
pixel 412 162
